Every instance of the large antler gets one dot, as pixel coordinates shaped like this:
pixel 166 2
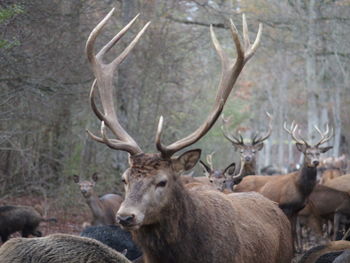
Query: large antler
pixel 324 137
pixel 256 139
pixel 228 136
pixel 230 73
pixel 292 131
pixel 104 80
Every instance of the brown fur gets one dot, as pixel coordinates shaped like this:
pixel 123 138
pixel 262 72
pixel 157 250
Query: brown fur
pixel 175 227
pixel 341 183
pixel 103 208
pixel 58 248
pixel 315 253
pixel 330 174
pixel 253 183
pixel 20 218
pixel 325 203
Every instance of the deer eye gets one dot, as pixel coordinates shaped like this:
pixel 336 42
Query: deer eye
pixel 161 183
pixel 124 181
pixel 210 180
pixel 224 181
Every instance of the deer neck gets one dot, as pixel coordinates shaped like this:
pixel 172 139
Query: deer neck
pixel 95 205
pixel 163 240
pixel 249 168
pixel 307 179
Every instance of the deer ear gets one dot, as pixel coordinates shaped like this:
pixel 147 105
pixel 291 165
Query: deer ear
pixel 230 169
pixel 94 177
pixel 187 160
pixel 205 167
pixel 259 146
pixel 301 147
pixel 76 178
pixel 325 149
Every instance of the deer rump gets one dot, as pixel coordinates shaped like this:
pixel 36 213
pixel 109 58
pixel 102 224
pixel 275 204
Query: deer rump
pixel 244 227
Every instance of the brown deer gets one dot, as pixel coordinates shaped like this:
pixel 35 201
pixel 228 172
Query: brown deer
pixel 247 150
pixel 169 221
pixel 218 178
pixel 328 174
pixel 325 204
pixel 103 208
pixel 341 183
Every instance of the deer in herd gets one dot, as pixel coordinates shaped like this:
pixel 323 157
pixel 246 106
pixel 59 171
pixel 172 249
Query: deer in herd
pixel 218 177
pixel 103 208
pixel 324 204
pixel 248 150
pixel 291 191
pixel 169 221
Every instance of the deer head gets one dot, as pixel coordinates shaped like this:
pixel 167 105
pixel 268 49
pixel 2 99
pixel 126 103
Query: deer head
pixel 217 177
pixel 311 152
pixel 152 181
pixel 86 187
pixel 247 150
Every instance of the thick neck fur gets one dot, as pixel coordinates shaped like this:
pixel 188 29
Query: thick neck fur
pixel 307 179
pixel 249 168
pixel 174 237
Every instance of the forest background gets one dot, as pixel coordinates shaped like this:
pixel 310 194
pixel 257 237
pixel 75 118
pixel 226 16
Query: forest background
pixel 300 72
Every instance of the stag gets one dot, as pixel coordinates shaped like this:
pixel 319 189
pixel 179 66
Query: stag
pixel 103 208
pixel 247 150
pixel 169 221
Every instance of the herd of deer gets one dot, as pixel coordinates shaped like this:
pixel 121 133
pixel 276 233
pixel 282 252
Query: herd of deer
pixel 229 215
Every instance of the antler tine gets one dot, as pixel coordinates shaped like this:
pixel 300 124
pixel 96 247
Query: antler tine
pixel 268 133
pixel 228 136
pixel 210 160
pixel 230 73
pixel 240 174
pixel 104 81
pixel 324 137
pixel 292 130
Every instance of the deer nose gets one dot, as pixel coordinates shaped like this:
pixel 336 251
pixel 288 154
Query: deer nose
pixel 316 162
pixel 247 158
pixel 125 220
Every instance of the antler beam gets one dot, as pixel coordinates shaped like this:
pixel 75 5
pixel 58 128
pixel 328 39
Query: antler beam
pixel 230 73
pixel 104 81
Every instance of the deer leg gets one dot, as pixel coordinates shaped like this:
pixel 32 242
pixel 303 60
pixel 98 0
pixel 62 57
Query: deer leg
pixel 336 223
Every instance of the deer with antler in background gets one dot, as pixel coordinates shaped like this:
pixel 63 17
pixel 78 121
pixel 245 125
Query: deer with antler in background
pixel 169 221
pixel 248 150
pixel 218 177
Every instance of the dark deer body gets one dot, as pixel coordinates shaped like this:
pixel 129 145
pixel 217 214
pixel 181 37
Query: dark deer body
pixel 331 252
pixel 114 237
pixel 170 222
pixel 103 208
pixel 58 248
pixel 20 218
